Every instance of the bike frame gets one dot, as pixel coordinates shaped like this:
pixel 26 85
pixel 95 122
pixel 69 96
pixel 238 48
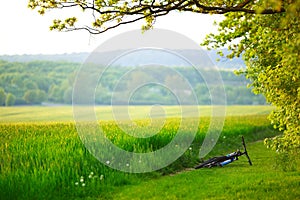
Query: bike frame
pixel 225 160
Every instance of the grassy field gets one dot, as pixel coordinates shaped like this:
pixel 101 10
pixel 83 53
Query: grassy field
pixel 263 180
pixel 42 157
pixel 65 113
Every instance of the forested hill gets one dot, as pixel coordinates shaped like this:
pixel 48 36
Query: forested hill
pixel 138 58
pixel 73 57
pixel 35 82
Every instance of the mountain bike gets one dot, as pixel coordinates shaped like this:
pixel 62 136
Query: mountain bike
pixel 225 160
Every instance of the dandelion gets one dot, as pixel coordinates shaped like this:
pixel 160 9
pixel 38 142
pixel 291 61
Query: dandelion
pixel 90 176
pixel 76 183
pixel 92 173
pixel 81 180
pixel 107 162
pixel 83 184
pixel 101 177
pixel 190 148
pixel 127 165
pixel 224 137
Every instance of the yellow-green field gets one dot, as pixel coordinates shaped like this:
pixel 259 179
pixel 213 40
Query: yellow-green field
pixel 43 157
pixel 65 113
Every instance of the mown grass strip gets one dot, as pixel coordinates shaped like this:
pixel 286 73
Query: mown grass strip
pixel 235 181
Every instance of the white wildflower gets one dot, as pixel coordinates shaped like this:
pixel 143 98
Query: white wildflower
pixel 101 177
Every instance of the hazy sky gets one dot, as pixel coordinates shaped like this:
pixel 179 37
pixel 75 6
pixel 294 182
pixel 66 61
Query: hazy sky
pixel 24 31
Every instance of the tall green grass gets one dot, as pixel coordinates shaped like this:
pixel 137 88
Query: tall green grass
pixel 48 160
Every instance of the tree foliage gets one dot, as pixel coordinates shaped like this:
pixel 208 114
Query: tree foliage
pixel 10 99
pixel 43 81
pixel 35 82
pixel 2 96
pixel 270 46
pixel 108 14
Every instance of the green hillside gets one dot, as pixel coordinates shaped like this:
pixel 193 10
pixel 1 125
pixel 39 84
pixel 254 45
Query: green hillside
pixel 34 82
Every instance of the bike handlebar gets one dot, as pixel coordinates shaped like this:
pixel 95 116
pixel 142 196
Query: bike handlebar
pixel 245 150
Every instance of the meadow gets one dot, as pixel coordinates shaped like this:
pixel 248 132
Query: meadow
pixel 65 113
pixel 42 157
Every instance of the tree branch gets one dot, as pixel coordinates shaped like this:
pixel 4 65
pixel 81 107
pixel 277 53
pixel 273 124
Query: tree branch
pixel 105 12
pixel 238 8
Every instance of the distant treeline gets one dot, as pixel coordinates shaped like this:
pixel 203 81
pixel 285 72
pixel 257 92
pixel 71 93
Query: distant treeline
pixel 35 82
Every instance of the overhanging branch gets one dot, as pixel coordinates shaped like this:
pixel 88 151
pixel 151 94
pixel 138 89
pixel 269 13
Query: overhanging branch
pixel 106 12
